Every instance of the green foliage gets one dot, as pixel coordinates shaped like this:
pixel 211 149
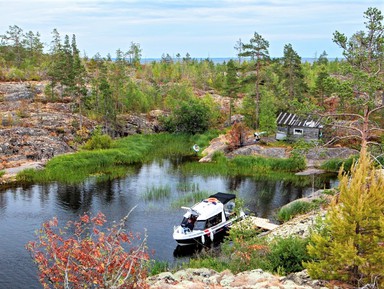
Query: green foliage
pixel 157 267
pixel 190 117
pixel 268 112
pixel 2 173
pixel 334 165
pixel 286 255
pixel 76 167
pixel 244 165
pixel 351 241
pixel 98 141
pixel 288 212
pixel 244 250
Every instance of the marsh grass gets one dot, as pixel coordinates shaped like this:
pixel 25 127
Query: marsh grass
pixel 288 212
pixel 157 193
pixel 243 165
pixel 334 165
pixel 74 168
pixel 187 187
pixel 190 199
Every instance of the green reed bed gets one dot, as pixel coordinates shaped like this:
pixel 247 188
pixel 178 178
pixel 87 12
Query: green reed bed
pixel 190 199
pixel 334 165
pixel 157 193
pixel 288 212
pixel 244 165
pixel 73 168
pixel 187 187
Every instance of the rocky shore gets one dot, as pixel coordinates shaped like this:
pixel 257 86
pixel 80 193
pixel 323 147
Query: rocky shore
pixel 254 279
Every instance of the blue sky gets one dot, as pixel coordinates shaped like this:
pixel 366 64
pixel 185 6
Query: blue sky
pixel 202 28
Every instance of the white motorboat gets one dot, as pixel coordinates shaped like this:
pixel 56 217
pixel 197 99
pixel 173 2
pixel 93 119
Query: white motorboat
pixel 207 218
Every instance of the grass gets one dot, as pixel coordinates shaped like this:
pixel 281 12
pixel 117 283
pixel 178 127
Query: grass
pixel 158 267
pixel 243 165
pixel 334 165
pixel 190 199
pixel 74 168
pixel 115 161
pixel 157 193
pixel 2 173
pixel 288 212
pixel 187 187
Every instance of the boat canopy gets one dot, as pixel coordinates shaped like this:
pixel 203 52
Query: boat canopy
pixel 223 197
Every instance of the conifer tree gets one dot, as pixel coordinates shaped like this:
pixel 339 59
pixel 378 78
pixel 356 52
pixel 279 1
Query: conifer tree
pixel 293 74
pixel 232 85
pixel 351 245
pixel 257 50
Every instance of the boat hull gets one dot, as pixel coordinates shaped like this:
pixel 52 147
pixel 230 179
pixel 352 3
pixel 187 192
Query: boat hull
pixel 202 239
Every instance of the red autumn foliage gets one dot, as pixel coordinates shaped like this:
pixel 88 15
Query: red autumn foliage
pixel 86 254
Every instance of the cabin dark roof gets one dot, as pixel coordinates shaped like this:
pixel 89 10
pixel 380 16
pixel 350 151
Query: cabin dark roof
pixel 290 119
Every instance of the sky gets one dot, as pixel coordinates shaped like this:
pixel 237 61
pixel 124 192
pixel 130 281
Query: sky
pixel 202 28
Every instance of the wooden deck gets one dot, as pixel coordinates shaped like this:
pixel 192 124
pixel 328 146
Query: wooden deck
pixel 261 223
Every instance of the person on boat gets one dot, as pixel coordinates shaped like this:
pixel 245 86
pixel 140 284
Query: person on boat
pixel 189 224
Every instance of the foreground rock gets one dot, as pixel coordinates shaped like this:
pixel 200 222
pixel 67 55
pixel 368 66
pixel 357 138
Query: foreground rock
pixel 254 279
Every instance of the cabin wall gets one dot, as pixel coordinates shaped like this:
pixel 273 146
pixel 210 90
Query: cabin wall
pixel 297 132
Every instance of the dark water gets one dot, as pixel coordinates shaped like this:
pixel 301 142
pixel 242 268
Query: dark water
pixel 23 209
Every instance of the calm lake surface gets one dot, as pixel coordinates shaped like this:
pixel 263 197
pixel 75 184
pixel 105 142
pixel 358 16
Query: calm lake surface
pixel 24 208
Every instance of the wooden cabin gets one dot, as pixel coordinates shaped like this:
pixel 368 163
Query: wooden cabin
pixel 292 127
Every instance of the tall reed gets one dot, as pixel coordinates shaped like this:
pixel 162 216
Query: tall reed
pixel 157 193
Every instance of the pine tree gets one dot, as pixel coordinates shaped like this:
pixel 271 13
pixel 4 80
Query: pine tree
pixel 232 85
pixel 351 245
pixel 257 50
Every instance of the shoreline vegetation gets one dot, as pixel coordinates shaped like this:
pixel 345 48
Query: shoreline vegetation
pixel 115 161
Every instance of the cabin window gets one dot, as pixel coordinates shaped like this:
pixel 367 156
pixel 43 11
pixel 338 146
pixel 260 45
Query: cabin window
pixel 199 225
pixel 213 221
pixel 298 131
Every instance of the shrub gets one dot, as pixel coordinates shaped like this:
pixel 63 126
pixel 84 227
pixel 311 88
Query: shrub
pixel 287 254
pixel 190 117
pixel 85 253
pixel 98 141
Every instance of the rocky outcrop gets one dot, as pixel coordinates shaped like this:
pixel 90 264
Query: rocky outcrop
pixel 254 279
pixel 130 124
pixel 218 144
pixel 259 150
pixel 33 129
pixel 315 157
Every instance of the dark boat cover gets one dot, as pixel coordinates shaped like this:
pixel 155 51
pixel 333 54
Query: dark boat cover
pixel 223 197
